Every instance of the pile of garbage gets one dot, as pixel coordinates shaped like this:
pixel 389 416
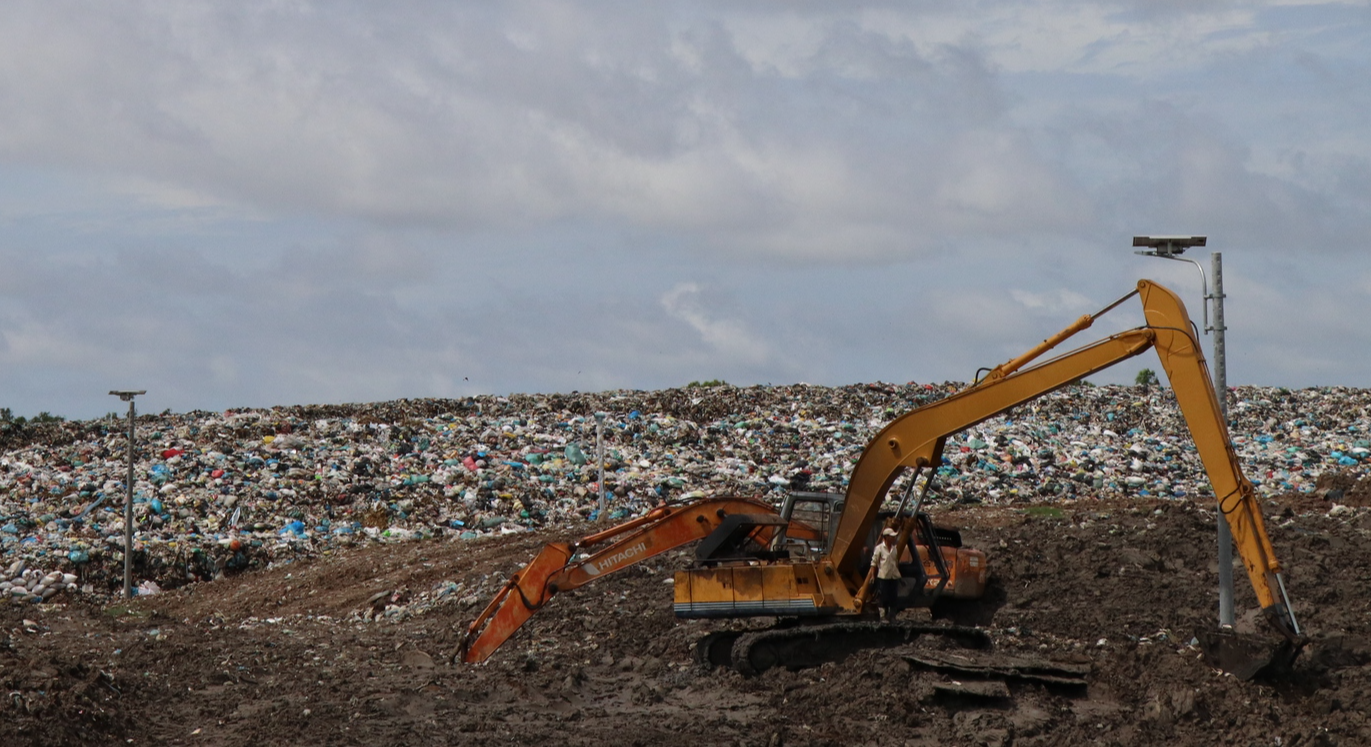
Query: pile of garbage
pixel 32 585
pixel 215 493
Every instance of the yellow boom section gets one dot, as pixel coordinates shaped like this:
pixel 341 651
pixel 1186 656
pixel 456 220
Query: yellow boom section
pixel 1188 373
pixel 916 439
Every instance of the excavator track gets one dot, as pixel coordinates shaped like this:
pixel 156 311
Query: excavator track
pixel 716 649
pixel 805 646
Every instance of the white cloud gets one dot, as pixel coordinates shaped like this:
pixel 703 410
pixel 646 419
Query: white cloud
pixel 725 336
pixel 430 120
pixel 163 195
pixel 1084 38
pixel 271 202
pixel 1060 300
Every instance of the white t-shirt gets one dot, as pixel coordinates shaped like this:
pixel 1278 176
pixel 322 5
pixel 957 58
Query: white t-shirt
pixel 886 560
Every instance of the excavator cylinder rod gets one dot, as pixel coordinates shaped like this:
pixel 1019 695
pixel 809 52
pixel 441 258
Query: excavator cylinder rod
pixel 522 595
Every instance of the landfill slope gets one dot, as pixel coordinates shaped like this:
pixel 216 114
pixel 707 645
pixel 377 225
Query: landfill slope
pixel 308 572
pixel 220 493
pixel 297 655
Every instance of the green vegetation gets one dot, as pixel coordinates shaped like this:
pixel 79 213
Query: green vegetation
pixel 7 416
pixel 706 384
pixel 1146 378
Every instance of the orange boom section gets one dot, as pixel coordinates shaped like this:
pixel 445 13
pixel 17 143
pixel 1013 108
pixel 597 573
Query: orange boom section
pixel 554 569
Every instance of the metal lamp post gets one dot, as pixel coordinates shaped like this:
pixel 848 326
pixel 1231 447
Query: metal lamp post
pixel 1170 247
pixel 127 395
pixel 600 459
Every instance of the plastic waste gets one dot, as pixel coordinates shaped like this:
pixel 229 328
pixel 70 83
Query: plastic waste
pixel 212 483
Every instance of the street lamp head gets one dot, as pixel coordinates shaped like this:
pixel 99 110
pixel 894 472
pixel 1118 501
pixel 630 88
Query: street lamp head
pixel 127 394
pixel 1167 246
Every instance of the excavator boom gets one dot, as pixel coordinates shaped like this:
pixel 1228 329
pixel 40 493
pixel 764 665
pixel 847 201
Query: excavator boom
pixel 916 439
pixel 557 569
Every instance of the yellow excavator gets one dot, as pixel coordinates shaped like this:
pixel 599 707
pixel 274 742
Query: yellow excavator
pixel 731 532
pixel 807 564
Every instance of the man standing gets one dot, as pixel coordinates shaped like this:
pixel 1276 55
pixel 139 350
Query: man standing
pixel 885 567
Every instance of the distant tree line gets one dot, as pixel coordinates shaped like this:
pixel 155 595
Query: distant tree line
pixel 7 417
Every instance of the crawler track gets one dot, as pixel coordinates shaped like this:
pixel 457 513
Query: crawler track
pixel 751 652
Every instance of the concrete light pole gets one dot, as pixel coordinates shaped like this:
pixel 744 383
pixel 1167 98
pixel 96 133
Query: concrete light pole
pixel 600 459
pixel 1170 247
pixel 127 395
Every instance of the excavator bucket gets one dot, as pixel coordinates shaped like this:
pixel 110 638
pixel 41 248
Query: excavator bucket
pixel 522 595
pixel 1248 656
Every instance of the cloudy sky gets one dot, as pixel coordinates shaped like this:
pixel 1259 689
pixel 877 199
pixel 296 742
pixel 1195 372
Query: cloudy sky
pixel 234 203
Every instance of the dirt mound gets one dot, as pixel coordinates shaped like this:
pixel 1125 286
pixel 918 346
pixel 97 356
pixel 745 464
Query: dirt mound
pixel 356 648
pixel 1346 488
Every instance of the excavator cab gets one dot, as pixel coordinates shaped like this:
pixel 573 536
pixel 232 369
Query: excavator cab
pixel 818 511
pixel 738 536
pixel 924 577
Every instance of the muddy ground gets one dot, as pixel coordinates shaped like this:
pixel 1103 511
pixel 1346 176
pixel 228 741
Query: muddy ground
pixel 287 656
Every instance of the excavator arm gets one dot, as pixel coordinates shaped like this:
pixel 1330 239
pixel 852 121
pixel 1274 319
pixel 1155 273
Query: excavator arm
pixel 916 439
pixel 557 568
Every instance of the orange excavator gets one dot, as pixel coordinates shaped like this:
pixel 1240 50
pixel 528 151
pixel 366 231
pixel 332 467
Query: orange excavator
pixel 807 564
pixel 730 532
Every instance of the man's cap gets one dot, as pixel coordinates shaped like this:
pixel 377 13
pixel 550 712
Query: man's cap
pixel 890 533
